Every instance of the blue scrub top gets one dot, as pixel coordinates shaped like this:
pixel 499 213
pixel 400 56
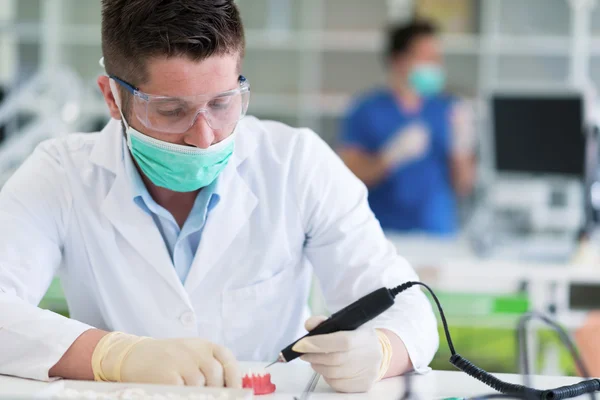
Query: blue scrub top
pixel 418 196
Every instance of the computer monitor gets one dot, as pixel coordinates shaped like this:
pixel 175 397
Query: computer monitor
pixel 539 134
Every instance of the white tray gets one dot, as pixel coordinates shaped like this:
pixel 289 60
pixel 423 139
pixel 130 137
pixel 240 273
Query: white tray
pixel 57 390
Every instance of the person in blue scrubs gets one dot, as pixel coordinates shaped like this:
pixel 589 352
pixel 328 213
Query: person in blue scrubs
pixel 409 142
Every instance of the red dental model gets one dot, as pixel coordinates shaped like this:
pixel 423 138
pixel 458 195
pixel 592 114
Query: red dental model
pixel 261 384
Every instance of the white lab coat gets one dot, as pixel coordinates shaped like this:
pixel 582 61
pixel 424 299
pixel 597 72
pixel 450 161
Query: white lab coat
pixel 289 207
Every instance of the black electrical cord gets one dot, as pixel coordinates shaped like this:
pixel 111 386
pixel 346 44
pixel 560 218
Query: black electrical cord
pixel 515 390
pixel 563 336
pixel 499 396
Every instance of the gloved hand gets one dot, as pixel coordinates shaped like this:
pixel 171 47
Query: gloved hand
pixel 463 129
pixel 349 361
pixel 120 357
pixel 408 144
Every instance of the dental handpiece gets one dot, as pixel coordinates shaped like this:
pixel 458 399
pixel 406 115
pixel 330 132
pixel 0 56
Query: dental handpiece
pixel 347 319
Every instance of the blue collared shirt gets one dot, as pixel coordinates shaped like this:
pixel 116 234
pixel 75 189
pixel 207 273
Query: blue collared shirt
pixel 181 243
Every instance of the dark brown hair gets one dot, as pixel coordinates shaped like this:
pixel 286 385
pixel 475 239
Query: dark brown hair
pixel 401 37
pixel 134 31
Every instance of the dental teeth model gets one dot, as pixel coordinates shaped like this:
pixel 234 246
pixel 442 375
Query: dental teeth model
pixel 260 383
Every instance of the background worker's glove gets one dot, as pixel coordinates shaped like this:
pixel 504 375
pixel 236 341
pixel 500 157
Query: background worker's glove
pixel 408 144
pixel 120 357
pixel 349 361
pixel 462 125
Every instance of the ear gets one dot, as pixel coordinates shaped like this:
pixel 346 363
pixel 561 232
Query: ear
pixel 109 98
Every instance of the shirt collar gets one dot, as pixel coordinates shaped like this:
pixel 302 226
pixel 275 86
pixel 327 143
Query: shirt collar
pixel 140 193
pixel 141 196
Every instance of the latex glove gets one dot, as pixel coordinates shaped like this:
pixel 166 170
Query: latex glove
pixel 120 357
pixel 463 129
pixel 349 361
pixel 408 144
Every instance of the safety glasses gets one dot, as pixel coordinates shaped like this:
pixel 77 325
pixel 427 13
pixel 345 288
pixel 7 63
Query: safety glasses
pixel 178 114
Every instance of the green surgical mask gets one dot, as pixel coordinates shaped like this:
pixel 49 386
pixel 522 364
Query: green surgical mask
pixel 427 79
pixel 173 166
pixel 176 167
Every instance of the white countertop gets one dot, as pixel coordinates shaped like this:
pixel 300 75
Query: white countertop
pixel 455 257
pixel 291 379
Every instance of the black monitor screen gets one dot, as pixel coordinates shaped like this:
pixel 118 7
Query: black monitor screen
pixel 536 134
pixel 584 296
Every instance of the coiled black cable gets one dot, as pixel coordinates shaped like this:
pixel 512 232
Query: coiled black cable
pixel 499 396
pixel 515 390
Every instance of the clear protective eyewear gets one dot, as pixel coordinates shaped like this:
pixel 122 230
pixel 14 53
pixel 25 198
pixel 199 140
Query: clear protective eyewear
pixel 178 114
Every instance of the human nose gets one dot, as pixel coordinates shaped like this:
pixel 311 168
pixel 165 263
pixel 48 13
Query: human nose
pixel 200 135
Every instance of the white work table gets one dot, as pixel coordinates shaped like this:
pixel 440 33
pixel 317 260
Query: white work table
pixel 292 378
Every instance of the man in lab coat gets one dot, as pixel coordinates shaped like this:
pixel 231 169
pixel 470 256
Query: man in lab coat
pixel 185 234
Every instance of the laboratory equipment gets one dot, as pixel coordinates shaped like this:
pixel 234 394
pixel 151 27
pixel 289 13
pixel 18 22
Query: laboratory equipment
pixel 539 133
pixel 536 201
pixel 539 142
pixel 584 296
pixel 347 319
pixel 310 387
pixel 376 302
pixel 540 158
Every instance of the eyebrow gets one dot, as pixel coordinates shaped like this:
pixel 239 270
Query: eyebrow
pixel 178 100
pixel 182 101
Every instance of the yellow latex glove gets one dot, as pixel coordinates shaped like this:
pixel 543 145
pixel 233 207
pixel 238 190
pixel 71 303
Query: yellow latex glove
pixel 120 357
pixel 349 361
